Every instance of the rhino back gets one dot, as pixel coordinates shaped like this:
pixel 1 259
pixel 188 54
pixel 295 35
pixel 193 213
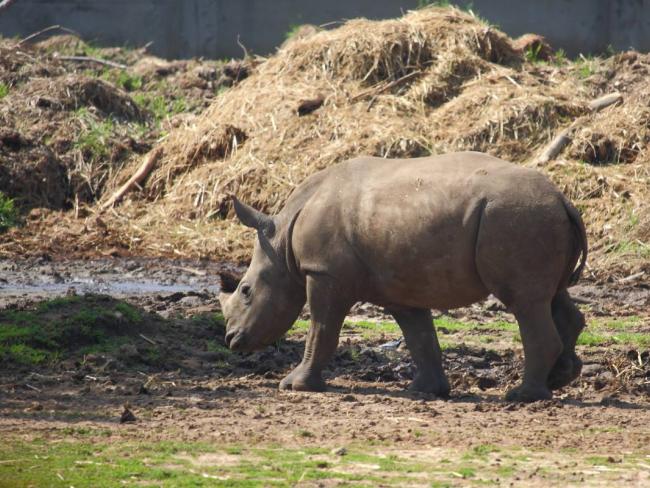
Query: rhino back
pixel 405 231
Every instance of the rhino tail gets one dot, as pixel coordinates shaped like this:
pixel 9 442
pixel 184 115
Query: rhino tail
pixel 581 240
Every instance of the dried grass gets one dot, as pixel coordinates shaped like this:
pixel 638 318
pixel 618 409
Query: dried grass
pixel 75 91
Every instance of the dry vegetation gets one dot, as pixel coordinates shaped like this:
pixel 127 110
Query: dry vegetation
pixel 433 81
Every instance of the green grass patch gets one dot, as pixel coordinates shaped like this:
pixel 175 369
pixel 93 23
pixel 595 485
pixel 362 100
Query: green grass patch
pixel 94 138
pixel 615 324
pixel 292 31
pixel 586 66
pixel 639 339
pixel 483 450
pixel 8 213
pixel 607 331
pixel 600 332
pixel 175 464
pixel 634 248
pixel 159 106
pixel 83 458
pixel 124 80
pixel 214 346
pixel 83 324
pixel 4 90
pixel 532 53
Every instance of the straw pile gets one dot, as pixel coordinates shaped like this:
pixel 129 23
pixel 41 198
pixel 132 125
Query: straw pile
pixel 435 80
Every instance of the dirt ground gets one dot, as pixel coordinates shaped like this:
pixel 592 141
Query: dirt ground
pixel 595 432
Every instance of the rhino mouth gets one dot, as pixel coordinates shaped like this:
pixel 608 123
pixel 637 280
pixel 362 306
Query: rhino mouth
pixel 235 340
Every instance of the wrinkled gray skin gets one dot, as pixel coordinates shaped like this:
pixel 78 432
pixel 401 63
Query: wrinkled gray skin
pixel 411 235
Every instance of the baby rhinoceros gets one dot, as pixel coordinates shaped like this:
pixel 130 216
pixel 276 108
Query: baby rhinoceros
pixel 411 235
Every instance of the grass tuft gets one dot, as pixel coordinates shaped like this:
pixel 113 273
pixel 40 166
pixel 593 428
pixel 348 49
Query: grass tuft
pixel 8 213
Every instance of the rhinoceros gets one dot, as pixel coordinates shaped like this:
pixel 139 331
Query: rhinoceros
pixel 413 235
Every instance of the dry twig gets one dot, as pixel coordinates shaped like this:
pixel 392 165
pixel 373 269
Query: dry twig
pixel 33 36
pixel 87 59
pixel 138 177
pixel 559 142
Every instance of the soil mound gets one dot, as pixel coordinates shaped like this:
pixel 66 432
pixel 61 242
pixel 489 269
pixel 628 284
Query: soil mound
pixel 73 114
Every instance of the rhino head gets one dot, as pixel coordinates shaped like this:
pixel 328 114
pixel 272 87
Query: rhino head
pixel 267 300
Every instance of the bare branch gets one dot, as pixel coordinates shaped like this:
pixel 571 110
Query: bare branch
pixel 136 179
pixel 86 59
pixel 33 36
pixel 557 145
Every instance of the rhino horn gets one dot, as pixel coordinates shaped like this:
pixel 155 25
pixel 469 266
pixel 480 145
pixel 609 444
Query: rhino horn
pixel 250 217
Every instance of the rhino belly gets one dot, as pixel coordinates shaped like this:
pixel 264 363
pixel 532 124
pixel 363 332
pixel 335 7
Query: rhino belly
pixel 424 255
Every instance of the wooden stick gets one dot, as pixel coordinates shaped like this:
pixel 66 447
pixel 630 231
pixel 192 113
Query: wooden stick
pixel 605 101
pixel 378 90
pixel 555 147
pixel 47 29
pixel 150 341
pixel 87 59
pixel 559 142
pixel 138 177
pixel 632 277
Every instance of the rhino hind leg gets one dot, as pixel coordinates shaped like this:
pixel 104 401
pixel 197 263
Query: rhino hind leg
pixel 569 322
pixel 422 342
pixel 328 311
pixel 542 347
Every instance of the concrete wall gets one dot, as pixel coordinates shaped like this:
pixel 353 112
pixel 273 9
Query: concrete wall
pixel 210 28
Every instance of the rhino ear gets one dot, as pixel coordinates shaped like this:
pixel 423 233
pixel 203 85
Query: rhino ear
pixel 250 217
pixel 229 281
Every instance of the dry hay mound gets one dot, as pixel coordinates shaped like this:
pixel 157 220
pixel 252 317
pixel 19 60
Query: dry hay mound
pixel 380 81
pixel 435 80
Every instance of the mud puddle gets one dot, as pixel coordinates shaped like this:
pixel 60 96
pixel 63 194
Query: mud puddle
pixel 137 279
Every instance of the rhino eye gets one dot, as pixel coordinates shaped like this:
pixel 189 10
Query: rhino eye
pixel 245 290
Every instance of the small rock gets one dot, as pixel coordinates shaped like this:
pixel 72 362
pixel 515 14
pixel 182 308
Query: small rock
pixel 190 301
pixel 128 351
pixel 486 382
pixel 591 369
pixel 308 106
pixel 348 398
pixel 494 304
pixel 339 451
pixel 392 345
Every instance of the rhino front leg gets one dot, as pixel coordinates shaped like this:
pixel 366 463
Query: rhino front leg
pixel 328 310
pixel 422 342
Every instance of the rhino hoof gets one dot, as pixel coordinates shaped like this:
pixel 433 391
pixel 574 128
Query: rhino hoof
pixel 297 381
pixel 439 388
pixel 566 369
pixel 527 394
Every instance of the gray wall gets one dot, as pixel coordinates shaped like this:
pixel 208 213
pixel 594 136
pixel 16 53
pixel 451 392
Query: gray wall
pixel 210 28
